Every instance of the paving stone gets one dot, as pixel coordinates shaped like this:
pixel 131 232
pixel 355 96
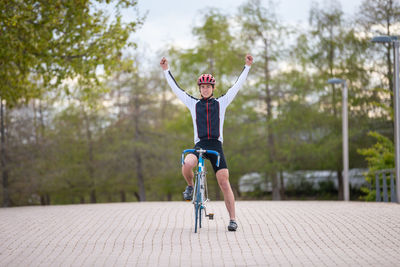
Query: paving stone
pixel 286 233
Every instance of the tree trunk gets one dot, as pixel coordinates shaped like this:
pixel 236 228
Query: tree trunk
pixel 217 189
pixel 340 185
pixel 270 136
pixel 276 191
pixel 282 185
pixel 123 196
pixel 4 167
pixel 331 58
pixel 137 155
pixel 336 116
pixel 90 167
pixel 35 119
pixel 390 78
pixel 211 57
pixel 38 122
pixel 93 198
pixel 139 174
pixel 41 120
pixel 136 195
pixel 42 200
pixel 236 191
pixel 389 48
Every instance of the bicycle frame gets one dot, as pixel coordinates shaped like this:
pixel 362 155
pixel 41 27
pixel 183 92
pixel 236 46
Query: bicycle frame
pixel 200 193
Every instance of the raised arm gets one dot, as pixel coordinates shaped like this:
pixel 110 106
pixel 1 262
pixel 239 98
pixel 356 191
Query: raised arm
pixel 187 99
pixel 232 92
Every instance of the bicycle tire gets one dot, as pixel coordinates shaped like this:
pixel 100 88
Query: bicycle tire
pixel 197 205
pixel 196 216
pixel 200 216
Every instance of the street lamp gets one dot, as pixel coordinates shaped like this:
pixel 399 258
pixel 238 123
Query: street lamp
pixel 394 40
pixel 345 134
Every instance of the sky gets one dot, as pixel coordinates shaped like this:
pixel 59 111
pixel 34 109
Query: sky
pixel 171 21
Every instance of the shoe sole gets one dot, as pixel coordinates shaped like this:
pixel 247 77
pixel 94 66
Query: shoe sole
pixel 188 199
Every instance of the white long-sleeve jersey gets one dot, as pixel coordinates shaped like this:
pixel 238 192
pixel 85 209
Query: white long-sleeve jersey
pixel 207 114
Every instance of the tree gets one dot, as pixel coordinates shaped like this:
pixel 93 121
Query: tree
pixel 138 127
pixel 264 33
pixel 45 43
pixel 379 156
pixel 331 48
pixel 327 55
pixel 380 18
pixel 214 53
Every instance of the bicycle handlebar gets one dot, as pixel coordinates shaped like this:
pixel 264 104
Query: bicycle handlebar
pixel 201 151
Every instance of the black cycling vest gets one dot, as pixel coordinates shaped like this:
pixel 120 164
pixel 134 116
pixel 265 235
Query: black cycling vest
pixel 207 119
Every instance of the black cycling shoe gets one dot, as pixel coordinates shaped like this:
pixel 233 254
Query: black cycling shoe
pixel 232 225
pixel 188 194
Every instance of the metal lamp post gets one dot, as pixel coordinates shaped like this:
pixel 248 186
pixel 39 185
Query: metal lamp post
pixel 396 43
pixel 345 134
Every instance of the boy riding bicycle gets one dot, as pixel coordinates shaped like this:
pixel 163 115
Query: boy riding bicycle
pixel 208 115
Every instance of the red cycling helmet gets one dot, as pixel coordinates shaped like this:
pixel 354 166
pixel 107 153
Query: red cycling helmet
pixel 206 79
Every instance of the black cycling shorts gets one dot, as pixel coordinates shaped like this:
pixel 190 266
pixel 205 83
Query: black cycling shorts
pixel 212 144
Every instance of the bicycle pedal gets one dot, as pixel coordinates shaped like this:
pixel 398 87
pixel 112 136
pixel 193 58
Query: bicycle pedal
pixel 211 216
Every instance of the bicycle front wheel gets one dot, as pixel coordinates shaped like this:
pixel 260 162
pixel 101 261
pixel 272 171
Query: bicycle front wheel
pixel 197 215
pixel 198 202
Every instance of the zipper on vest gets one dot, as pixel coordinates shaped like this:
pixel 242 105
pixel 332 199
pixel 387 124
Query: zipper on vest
pixel 208 123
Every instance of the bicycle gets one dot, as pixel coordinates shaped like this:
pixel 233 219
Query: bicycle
pixel 200 192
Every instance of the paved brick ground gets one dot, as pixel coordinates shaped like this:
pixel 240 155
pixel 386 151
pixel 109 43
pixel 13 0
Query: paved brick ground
pixel 161 234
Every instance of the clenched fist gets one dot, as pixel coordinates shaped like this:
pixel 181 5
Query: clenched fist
pixel 164 63
pixel 249 60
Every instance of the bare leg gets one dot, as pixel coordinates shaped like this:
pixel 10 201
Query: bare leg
pixel 187 168
pixel 223 181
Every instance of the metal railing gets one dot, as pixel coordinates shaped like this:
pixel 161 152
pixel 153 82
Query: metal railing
pixel 383 187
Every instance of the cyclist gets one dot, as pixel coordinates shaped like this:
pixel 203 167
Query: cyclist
pixel 208 115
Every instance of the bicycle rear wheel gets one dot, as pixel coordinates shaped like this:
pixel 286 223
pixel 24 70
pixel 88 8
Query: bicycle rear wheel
pixel 202 196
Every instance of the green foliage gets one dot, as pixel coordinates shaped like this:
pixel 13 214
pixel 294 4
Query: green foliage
pixel 379 157
pixel 215 54
pixel 45 42
pixel 106 128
